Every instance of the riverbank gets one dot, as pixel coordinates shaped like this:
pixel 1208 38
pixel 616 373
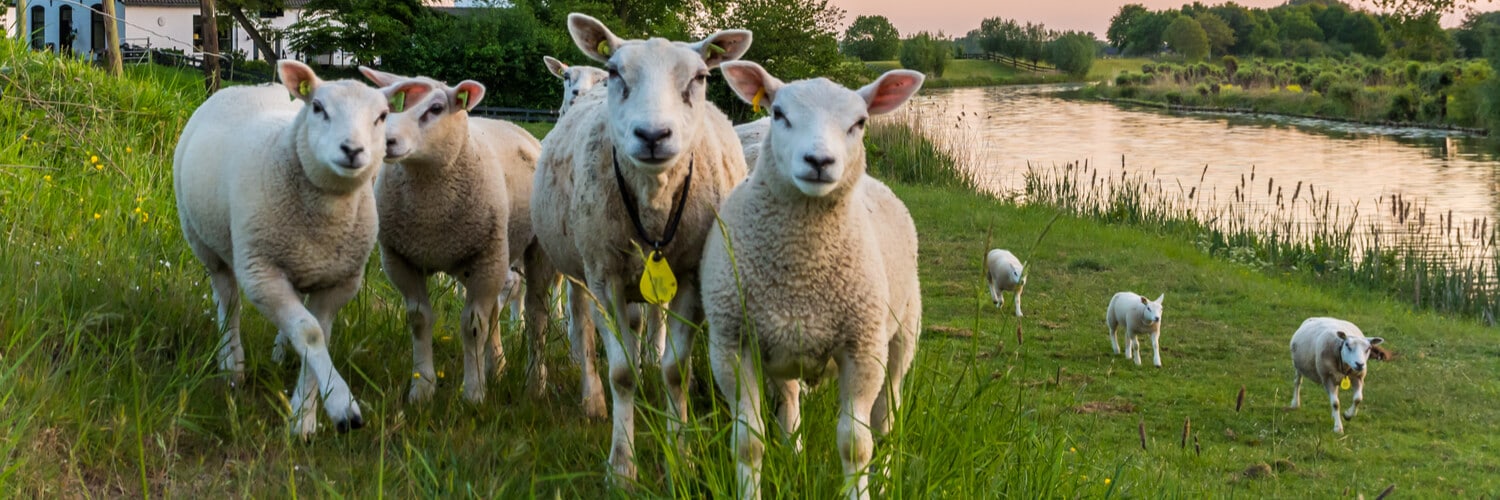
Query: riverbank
pixel 111 389
pixel 982 73
pixel 1083 93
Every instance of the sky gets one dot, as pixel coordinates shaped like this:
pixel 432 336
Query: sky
pixel 957 17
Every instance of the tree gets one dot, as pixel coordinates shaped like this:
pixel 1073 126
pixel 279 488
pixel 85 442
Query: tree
pixel 1416 9
pixel 210 29
pixel 1296 24
pixel 1471 35
pixel 1147 34
pixel 256 30
pixel 1073 53
pixel 1364 34
pixel 1423 39
pixel 926 53
pixel 362 28
pixel 1186 37
pixel 871 38
pixel 1220 35
pixel 454 48
pixel 1120 26
pixel 1001 36
pixel 794 39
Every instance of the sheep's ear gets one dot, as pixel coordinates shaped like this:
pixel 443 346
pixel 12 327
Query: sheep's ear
pixel 591 37
pixel 1376 341
pixel 1144 301
pixel 891 90
pixel 1342 336
pixel 380 78
pixel 555 66
pixel 722 47
pixel 298 78
pixel 405 93
pixel 1160 297
pixel 467 94
pixel 749 80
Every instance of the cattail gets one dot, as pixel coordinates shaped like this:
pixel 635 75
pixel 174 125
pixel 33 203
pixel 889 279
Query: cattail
pixel 1141 427
pixel 1197 450
pixel 1187 429
pixel 1059 376
pixel 1297 192
pixel 1270 182
pixel 1388 490
pixel 1239 401
pixel 1202 175
pixel 1019 338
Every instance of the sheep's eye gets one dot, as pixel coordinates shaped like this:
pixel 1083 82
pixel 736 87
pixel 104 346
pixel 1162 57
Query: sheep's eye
pixel 857 126
pixel 777 115
pixel 702 77
pixel 381 118
pixel 317 107
pixel 613 72
pixel 436 109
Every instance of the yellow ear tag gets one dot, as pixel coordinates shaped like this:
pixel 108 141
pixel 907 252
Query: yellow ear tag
pixel 463 100
pixel 603 47
pixel 755 101
pixel 398 102
pixel 1344 384
pixel 658 285
pixel 302 88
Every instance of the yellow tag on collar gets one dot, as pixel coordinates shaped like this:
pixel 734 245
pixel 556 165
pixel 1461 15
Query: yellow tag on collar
pixel 658 285
pixel 755 101
pixel 1344 384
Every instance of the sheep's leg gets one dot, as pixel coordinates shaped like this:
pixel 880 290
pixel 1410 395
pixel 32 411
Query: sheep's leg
pixel 861 378
pixel 1019 288
pixel 581 340
pixel 997 295
pixel 1155 349
pixel 1358 384
pixel 271 293
pixel 735 374
pixel 656 332
pixel 324 305
pixel 477 324
pixel 419 318
pixel 903 347
pixel 789 413
pixel 227 301
pixel 541 279
pixel 676 369
pixel 1114 342
pixel 1297 391
pixel 620 345
pixel 1129 343
pixel 1333 399
pixel 1135 342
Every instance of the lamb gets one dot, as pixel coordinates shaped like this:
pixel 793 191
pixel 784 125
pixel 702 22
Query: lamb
pixel 1004 272
pixel 823 265
pixel 620 179
pixel 1331 351
pixel 1139 317
pixel 276 196
pixel 456 197
pixel 577 80
pixel 751 134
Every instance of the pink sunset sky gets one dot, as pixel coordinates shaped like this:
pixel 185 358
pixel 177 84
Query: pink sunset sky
pixel 957 17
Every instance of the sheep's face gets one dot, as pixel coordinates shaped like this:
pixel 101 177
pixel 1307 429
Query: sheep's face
pixel 1151 309
pixel 430 124
pixel 816 139
pixel 1355 351
pixel 343 124
pixel 655 88
pixel 577 80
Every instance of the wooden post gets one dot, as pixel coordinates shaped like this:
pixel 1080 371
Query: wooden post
pixel 23 27
pixel 112 34
pixel 210 17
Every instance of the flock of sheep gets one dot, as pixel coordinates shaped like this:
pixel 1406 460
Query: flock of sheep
pixel 643 198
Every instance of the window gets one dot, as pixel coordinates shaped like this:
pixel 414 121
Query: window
pixel 226 33
pixel 66 35
pixel 97 40
pixel 38 27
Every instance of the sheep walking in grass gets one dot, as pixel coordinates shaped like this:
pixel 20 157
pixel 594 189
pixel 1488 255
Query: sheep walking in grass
pixel 1139 317
pixel 275 197
pixel 577 80
pixel 632 174
pixel 1003 271
pixel 1331 352
pixel 445 201
pixel 816 261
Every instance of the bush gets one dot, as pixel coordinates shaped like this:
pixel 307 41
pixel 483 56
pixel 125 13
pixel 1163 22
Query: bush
pixel 1324 80
pixel 1268 48
pixel 1125 78
pixel 1072 53
pixel 1202 89
pixel 1344 92
pixel 1403 105
pixel 1173 97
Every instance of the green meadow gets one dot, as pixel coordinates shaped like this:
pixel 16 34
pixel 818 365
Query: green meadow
pixel 109 387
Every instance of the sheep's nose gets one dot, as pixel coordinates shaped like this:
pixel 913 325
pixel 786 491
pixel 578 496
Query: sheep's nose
pixel 653 136
pixel 817 162
pixel 351 152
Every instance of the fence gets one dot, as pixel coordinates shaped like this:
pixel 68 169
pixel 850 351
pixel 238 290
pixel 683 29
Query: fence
pixel 1013 62
pixel 516 114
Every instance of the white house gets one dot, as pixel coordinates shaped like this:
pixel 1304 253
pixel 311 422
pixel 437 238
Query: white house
pixel 72 26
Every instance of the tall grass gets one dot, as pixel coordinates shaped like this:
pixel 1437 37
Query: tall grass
pixel 1429 260
pixel 905 147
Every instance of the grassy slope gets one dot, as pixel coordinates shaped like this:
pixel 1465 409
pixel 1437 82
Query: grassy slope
pixel 109 385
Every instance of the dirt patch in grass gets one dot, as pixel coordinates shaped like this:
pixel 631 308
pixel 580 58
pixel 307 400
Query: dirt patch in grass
pixel 1113 406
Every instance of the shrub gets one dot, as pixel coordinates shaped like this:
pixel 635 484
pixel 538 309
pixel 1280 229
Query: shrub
pixel 1403 105
pixel 1324 80
pixel 1344 92
pixel 1231 65
pixel 1125 78
pixel 1173 97
pixel 1202 89
pixel 1268 48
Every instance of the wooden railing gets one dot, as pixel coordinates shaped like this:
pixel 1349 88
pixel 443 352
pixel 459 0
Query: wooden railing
pixel 516 114
pixel 1011 61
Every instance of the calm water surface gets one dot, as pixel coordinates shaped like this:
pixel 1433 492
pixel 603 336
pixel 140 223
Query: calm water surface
pixel 1363 165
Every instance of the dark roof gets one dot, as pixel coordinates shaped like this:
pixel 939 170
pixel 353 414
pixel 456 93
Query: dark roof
pixel 291 4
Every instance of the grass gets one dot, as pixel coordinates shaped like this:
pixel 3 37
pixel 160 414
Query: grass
pixel 974 73
pixel 108 385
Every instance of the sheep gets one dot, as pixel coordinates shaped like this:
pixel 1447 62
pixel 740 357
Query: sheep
pixel 751 134
pixel 1004 272
pixel 577 80
pixel 1139 317
pixel 816 261
pixel 456 197
pixel 1330 351
pixel 651 142
pixel 276 196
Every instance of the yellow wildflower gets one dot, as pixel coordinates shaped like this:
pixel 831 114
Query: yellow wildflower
pixel 440 374
pixel 137 209
pixel 25 138
pixel 1106 481
pixel 93 159
pixel 97 216
pixel 98 166
pixel 127 149
pixel 145 217
pixel 47 178
pixel 1072 450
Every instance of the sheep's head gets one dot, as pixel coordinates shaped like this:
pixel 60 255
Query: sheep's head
pixel 817 130
pixel 343 123
pixel 577 80
pixel 1152 310
pixel 428 125
pixel 1355 350
pixel 656 88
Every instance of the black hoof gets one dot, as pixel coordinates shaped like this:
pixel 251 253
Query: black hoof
pixel 350 424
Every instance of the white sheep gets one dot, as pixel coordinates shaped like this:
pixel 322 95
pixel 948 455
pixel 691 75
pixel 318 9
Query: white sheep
pixel 816 261
pixel 638 141
pixel 1139 317
pixel 1005 274
pixel 445 203
pixel 1330 351
pixel 276 197
pixel 577 80
pixel 751 135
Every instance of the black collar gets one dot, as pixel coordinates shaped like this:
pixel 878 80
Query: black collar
pixel 635 216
